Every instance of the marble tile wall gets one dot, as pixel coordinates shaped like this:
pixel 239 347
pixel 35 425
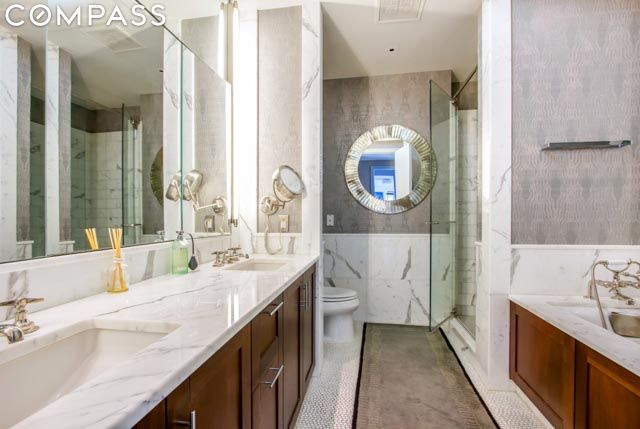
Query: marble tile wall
pixel 575 73
pixel 23 122
pixel 351 107
pixel 64 143
pixel 103 182
pixel 467 211
pixel 52 152
pixel 50 277
pixel 279 103
pixel 561 270
pixel 390 272
pixel 79 187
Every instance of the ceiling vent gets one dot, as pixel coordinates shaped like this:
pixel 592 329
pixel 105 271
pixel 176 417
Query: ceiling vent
pixel 115 39
pixel 399 10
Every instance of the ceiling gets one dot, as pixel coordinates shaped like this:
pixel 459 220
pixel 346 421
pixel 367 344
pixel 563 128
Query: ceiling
pixel 442 37
pixel 104 74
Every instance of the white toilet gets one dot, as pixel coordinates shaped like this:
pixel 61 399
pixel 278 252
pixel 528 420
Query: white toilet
pixel 338 305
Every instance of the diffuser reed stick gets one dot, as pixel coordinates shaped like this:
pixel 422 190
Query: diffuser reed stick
pixel 92 238
pixel 118 281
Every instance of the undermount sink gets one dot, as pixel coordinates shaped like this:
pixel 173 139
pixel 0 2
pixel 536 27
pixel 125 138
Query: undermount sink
pixel 36 373
pixel 258 265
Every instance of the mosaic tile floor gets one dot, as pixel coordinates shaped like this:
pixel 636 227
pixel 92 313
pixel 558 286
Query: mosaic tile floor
pixel 331 395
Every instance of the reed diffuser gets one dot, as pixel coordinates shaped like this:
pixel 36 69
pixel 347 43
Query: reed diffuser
pixel 119 277
pixel 92 238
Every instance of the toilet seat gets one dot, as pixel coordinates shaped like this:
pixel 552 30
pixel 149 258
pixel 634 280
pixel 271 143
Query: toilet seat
pixel 337 294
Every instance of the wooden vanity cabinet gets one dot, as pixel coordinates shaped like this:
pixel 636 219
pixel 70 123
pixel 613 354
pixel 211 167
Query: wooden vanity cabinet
pixel 541 363
pixel 257 379
pixel 308 327
pixel 571 384
pixel 607 395
pixel 292 346
pixel 267 366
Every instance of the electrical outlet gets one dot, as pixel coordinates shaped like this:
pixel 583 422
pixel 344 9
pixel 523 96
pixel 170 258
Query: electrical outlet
pixel 330 220
pixel 284 223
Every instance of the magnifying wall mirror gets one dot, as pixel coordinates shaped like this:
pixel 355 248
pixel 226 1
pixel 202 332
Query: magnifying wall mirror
pixel 390 169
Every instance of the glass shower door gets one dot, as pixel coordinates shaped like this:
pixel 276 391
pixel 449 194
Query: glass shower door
pixel 442 222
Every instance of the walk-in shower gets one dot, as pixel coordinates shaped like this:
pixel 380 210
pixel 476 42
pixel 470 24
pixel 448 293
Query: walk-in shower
pixel 455 204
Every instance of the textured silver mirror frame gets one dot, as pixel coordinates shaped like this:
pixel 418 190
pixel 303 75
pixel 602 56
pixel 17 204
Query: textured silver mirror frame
pixel 428 172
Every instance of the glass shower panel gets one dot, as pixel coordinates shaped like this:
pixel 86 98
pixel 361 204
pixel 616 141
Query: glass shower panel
pixel 442 222
pixel 132 177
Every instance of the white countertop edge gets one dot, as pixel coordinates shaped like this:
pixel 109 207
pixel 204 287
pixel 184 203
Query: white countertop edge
pixel 618 349
pixel 130 410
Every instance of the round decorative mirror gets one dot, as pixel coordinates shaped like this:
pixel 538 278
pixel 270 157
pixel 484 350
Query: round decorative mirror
pixel 390 169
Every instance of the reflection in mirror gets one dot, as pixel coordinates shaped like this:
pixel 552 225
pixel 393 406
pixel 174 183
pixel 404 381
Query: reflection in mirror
pixel 389 169
pixel 22 139
pixel 200 26
pixel 205 140
pixel 110 130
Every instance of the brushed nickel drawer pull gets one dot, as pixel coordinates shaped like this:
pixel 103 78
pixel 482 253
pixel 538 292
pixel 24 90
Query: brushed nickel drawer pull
pixel 275 310
pixel 275 379
pixel 303 301
pixel 191 424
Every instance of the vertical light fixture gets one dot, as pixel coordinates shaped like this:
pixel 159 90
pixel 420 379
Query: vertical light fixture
pixel 233 35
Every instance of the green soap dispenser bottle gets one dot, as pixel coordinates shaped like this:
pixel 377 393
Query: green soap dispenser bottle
pixel 179 255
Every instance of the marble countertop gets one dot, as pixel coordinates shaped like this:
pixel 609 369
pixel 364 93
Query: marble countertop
pixel 578 317
pixel 209 306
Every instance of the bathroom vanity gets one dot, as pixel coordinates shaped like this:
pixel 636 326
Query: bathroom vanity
pixel 257 379
pixel 228 347
pixel 575 372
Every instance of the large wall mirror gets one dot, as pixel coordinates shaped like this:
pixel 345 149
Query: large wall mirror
pixel 108 117
pixel 390 169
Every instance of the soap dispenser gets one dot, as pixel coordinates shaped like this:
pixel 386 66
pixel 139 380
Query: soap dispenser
pixel 179 254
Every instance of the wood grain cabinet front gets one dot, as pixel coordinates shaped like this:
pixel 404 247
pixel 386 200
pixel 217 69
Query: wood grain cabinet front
pixel 257 379
pixel 571 384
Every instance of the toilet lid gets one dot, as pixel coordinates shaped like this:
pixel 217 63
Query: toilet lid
pixel 332 294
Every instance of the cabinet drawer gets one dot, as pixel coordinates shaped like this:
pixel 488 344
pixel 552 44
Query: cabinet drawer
pixel 267 398
pixel 266 339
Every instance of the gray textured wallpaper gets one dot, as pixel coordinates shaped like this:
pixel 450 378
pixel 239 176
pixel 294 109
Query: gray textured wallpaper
pixel 279 101
pixel 351 107
pixel 576 76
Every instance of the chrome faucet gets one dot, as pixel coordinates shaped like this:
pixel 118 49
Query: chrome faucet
pixel 25 325
pixel 12 332
pixel 615 284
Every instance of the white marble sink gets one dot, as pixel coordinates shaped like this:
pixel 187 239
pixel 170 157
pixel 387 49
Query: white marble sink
pixel 37 372
pixel 259 265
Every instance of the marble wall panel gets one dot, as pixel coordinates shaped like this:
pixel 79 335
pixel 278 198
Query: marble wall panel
pixel 391 273
pixel 64 143
pixel 67 278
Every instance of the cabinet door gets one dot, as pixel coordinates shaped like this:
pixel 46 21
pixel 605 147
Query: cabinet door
pixel 178 407
pixel 307 327
pixel 154 420
pixel 221 388
pixel 607 395
pixel 542 364
pixel 291 377
pixel 268 397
